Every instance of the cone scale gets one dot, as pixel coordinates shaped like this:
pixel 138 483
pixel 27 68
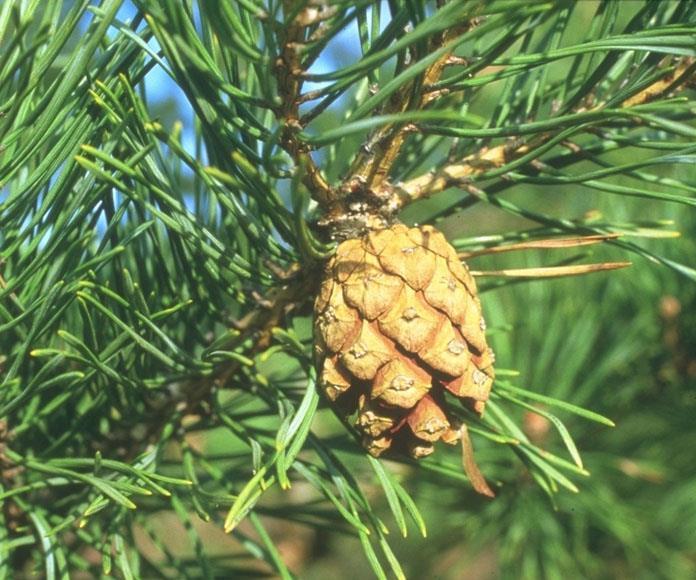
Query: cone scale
pixel 398 328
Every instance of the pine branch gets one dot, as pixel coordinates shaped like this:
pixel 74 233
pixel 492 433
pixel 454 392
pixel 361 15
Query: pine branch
pixel 168 182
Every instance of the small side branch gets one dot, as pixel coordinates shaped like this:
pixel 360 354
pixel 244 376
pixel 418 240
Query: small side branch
pixel 289 72
pixel 257 327
pixel 373 164
pixel 488 158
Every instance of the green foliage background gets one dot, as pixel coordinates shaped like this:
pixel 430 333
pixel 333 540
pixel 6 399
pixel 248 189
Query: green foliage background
pixel 139 417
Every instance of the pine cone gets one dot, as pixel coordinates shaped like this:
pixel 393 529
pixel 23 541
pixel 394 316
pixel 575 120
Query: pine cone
pixel 398 324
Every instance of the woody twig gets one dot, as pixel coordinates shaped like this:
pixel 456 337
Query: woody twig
pixel 487 158
pixel 256 327
pixel 372 165
pixel 289 70
pixel 365 199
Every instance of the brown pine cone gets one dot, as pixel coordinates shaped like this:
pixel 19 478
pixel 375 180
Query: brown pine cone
pixel 397 324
